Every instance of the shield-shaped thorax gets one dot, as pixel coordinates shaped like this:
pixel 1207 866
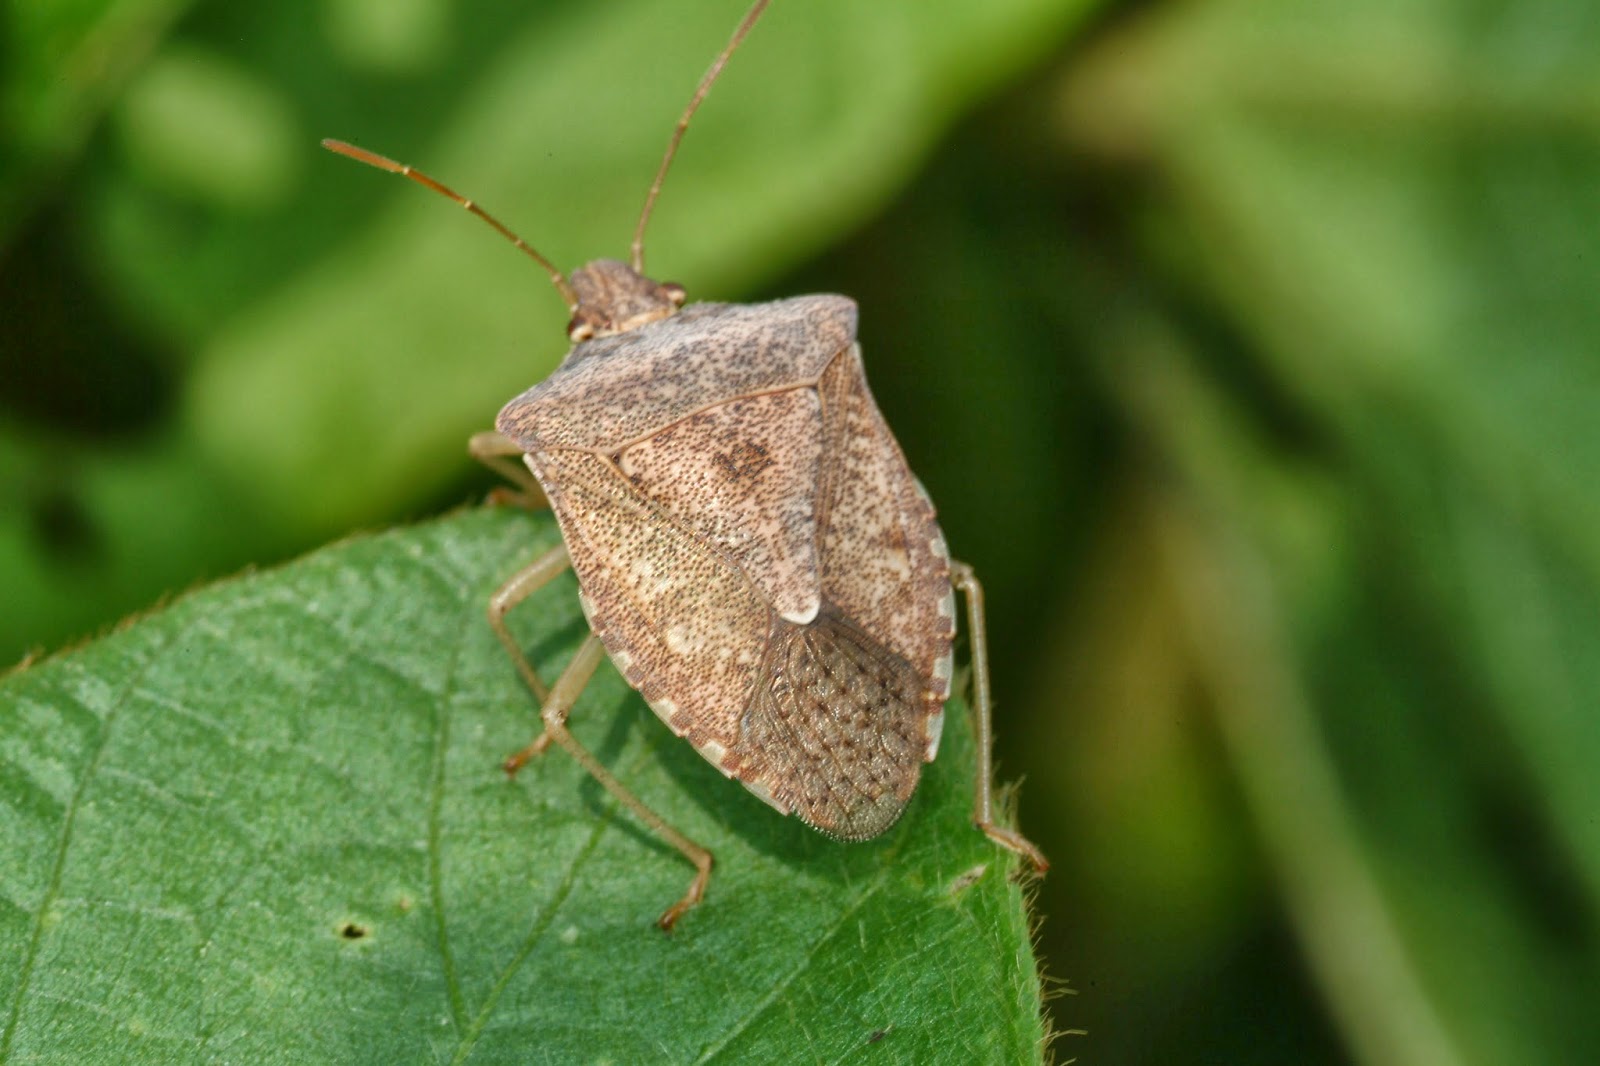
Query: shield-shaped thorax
pixel 752 549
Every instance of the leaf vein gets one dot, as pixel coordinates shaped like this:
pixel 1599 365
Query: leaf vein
pixel 782 986
pixel 441 745
pixel 541 925
pixel 58 864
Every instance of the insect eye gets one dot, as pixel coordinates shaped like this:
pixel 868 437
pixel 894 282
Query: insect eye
pixel 674 293
pixel 580 329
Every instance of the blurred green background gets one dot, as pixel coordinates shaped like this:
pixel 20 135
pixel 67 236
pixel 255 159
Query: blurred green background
pixel 1250 352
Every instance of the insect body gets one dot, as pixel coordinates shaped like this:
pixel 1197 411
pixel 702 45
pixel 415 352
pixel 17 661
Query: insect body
pixel 751 549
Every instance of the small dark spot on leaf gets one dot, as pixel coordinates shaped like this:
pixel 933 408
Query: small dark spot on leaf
pixel 879 1034
pixel 353 931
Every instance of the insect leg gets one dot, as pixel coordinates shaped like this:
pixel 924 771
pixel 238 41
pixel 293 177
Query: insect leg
pixel 522 585
pixel 503 455
pixel 556 708
pixel 963 578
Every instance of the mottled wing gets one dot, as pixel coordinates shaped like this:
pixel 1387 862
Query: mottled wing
pixel 884 561
pixel 850 706
pixel 835 731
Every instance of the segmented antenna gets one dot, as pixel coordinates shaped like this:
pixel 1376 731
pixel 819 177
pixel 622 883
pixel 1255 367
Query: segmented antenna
pixel 373 159
pixel 683 125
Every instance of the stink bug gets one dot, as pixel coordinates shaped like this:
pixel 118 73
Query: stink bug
pixel 751 549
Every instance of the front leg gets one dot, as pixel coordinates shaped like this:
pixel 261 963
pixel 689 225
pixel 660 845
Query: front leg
pixel 523 584
pixel 503 455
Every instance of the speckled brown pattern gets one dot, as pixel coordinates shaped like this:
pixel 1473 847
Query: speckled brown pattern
pixel 884 560
pixel 752 549
pixel 744 475
pixel 609 392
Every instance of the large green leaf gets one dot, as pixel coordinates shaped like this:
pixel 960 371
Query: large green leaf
pixel 267 824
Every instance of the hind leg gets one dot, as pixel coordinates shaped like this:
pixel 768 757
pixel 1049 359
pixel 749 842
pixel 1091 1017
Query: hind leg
pixel 962 577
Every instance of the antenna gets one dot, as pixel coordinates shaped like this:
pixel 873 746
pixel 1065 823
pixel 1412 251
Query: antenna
pixel 373 159
pixel 683 125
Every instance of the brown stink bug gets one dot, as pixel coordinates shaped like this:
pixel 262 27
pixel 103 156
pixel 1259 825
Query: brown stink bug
pixel 751 548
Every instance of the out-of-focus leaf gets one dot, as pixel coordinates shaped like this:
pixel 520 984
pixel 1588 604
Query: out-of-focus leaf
pixel 1393 204
pixel 80 538
pixel 62 65
pixel 268 824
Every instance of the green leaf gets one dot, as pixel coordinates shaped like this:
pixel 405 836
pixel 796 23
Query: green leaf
pixel 1388 207
pixel 268 824
pixel 61 64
